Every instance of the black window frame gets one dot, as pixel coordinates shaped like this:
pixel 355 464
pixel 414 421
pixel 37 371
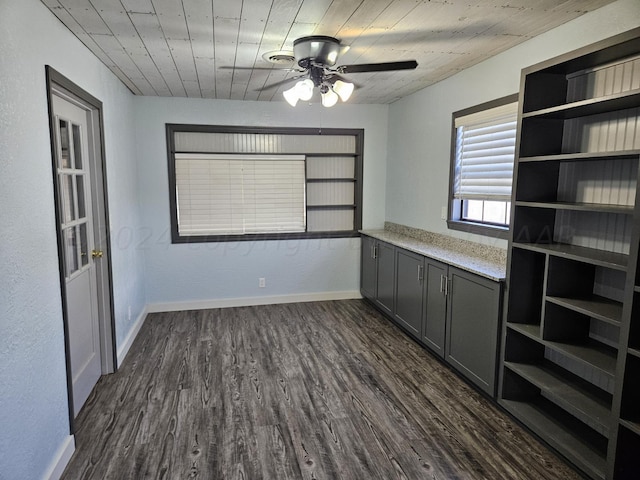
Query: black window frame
pixel 454 206
pixel 358 133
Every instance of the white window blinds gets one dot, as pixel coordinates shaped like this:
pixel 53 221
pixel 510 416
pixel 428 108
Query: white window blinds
pixel 227 194
pixel 485 148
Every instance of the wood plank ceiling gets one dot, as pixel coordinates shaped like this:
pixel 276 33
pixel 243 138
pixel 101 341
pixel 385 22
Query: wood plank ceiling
pixel 176 47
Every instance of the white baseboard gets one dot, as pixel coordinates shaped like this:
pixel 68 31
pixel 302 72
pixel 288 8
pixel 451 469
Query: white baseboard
pixel 133 333
pixel 60 461
pixel 251 301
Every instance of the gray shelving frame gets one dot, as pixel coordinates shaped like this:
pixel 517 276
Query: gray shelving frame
pixel 595 425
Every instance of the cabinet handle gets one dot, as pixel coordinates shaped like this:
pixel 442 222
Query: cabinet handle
pixel 446 286
pixel 420 273
pixel 441 286
pixel 375 251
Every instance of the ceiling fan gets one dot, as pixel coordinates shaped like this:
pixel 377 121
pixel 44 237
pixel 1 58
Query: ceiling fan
pixel 316 57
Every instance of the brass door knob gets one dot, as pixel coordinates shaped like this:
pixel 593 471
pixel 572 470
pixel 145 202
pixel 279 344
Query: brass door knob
pixel 96 253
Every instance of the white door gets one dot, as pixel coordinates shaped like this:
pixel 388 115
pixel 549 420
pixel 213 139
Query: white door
pixel 79 256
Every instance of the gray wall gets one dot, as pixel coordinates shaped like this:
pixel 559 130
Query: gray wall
pixel 420 125
pixel 202 272
pixel 33 391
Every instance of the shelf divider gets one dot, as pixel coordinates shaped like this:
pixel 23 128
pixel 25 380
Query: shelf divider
pixel 595 306
pixel 528 330
pixel 633 426
pixel 580 207
pixel 583 156
pixel 540 419
pixel 617 261
pixel 592 353
pixel 591 106
pixel 568 394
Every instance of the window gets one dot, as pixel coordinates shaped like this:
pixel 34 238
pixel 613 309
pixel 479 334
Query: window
pixel 239 194
pixel 483 148
pixel 244 183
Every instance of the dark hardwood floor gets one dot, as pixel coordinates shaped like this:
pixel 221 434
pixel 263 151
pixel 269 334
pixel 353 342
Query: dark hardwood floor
pixel 326 390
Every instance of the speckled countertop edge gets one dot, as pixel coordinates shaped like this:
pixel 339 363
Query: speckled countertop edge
pixel 493 269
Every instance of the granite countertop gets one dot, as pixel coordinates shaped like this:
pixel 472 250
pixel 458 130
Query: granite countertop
pixel 487 261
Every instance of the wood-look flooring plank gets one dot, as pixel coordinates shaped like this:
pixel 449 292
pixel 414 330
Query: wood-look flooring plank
pixel 321 390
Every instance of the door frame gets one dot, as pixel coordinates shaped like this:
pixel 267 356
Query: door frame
pixel 61 86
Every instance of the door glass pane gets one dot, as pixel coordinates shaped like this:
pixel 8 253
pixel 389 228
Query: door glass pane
pixel 68 205
pixel 70 251
pixel 84 253
pixel 77 148
pixel 65 159
pixel 80 192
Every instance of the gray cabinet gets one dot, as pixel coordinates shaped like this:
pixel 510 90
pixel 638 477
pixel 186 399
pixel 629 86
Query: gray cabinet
pixel 368 268
pixel 409 291
pixel 472 327
pixel 452 312
pixel 385 256
pixel 433 328
pixel 377 273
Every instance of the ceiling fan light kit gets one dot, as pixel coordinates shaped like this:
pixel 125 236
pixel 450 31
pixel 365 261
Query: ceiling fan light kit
pixel 316 55
pixel 291 96
pixel 344 89
pixel 303 90
pixel 329 98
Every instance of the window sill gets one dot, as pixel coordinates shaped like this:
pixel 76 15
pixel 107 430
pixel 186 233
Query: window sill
pixel 479 229
pixel 258 237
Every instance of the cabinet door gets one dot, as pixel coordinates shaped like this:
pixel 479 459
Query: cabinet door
pixel 385 278
pixel 433 329
pixel 368 269
pixel 409 290
pixel 472 327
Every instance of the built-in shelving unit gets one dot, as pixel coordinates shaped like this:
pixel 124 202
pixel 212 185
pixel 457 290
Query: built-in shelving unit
pixel 331 191
pixel 571 339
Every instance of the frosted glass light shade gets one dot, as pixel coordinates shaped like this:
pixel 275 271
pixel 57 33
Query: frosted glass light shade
pixel 330 98
pixel 291 96
pixel 304 89
pixel 344 89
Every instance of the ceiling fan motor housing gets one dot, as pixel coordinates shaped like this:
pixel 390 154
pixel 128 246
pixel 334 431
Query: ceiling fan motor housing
pixel 316 49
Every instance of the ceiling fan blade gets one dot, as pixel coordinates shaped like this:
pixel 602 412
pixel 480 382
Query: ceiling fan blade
pixel 277 84
pixel 225 67
pixel 378 67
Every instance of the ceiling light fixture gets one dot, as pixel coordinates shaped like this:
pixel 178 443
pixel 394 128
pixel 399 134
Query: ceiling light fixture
pixel 329 97
pixel 303 90
pixel 344 89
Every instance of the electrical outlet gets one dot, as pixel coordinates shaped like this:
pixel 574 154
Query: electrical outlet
pixel 262 282
pixel 443 213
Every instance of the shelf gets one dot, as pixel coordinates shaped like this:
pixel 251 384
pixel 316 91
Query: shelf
pixel 568 393
pixel 594 306
pixel 592 106
pixel 582 207
pixel 531 331
pixel 633 426
pixel 330 207
pixel 583 156
pixel 634 352
pixel 331 180
pixel 636 289
pixel 592 353
pixel 544 421
pixel 617 261
pixel 329 154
